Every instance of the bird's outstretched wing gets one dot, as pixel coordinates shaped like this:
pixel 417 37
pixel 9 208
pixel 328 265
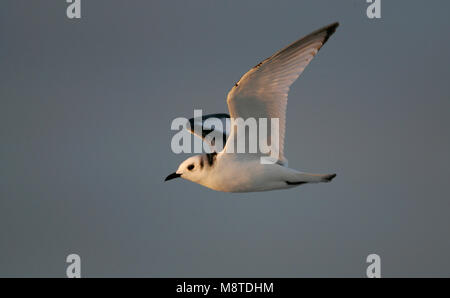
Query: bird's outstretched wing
pixel 214 129
pixel 263 91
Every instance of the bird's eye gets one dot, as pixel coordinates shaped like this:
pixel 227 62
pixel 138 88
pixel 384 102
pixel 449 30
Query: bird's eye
pixel 190 167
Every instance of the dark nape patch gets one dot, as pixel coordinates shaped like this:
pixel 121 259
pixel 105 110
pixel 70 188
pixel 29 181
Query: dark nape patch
pixel 211 157
pixel 295 183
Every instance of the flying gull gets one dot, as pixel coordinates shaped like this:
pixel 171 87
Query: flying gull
pixel 261 93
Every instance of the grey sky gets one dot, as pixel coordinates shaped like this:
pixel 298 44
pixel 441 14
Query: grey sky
pixel 86 107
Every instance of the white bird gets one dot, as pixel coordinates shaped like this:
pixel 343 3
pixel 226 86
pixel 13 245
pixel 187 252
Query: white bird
pixel 261 93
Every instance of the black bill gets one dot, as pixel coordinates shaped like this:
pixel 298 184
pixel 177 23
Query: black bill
pixel 172 176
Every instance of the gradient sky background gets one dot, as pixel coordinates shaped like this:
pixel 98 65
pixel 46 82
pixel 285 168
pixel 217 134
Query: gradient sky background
pixel 86 108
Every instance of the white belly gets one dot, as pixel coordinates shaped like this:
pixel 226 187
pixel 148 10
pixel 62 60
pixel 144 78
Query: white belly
pixel 230 174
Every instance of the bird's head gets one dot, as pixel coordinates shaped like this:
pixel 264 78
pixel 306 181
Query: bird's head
pixel 192 169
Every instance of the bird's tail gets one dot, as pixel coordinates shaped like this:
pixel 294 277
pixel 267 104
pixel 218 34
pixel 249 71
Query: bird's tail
pixel 301 178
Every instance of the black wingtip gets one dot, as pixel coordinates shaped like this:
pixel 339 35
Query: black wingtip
pixel 330 177
pixel 330 30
